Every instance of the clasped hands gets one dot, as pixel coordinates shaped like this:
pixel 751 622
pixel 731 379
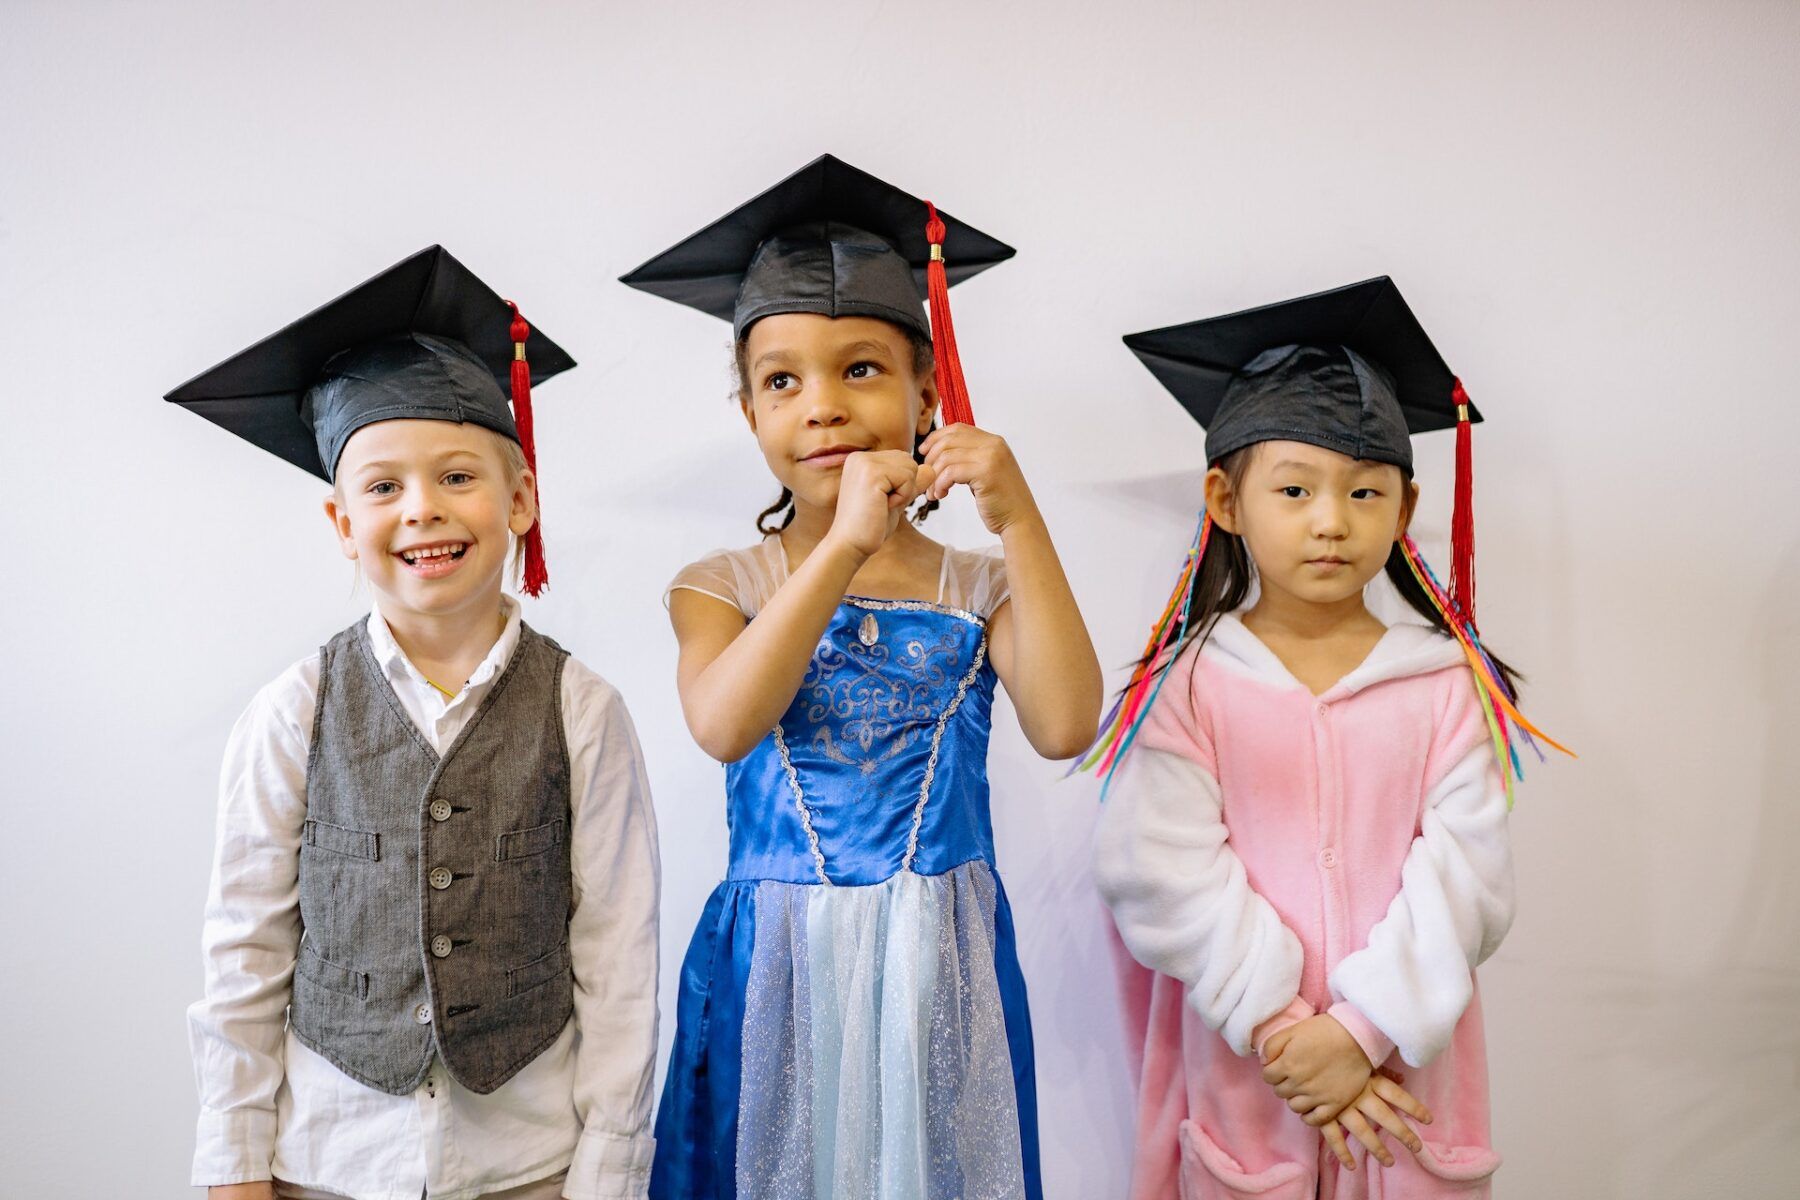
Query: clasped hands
pixel 1323 1074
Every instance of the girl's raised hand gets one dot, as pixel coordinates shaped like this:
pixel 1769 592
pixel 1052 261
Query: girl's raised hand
pixel 873 492
pixel 1376 1103
pixel 983 461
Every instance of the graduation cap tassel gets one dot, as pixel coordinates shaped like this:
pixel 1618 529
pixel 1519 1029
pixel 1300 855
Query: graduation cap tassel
pixel 537 575
pixel 1462 515
pixel 953 392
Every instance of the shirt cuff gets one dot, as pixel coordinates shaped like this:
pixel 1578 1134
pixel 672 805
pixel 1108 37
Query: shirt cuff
pixel 610 1167
pixel 1296 1011
pixel 234 1145
pixel 1374 1043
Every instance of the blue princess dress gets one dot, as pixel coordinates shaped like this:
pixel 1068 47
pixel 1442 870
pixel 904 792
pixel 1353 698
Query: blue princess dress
pixel 852 1021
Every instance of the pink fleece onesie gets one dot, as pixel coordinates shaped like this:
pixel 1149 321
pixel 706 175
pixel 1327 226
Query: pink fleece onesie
pixel 1268 853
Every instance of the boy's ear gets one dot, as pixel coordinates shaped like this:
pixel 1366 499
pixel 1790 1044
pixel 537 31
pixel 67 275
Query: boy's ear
pixel 339 516
pixel 1221 504
pixel 524 504
pixel 749 411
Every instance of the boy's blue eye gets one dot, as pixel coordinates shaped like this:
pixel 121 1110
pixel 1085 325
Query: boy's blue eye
pixel 385 487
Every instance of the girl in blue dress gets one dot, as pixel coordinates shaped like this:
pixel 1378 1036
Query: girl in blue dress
pixel 852 1020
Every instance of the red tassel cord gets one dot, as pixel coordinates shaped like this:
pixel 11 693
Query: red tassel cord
pixel 953 393
pixel 1462 514
pixel 537 575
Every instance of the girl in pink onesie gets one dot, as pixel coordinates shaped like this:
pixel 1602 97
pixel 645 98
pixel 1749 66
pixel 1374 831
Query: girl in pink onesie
pixel 1304 835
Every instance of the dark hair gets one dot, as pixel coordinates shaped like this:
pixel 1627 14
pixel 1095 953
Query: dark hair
pixel 1223 582
pixel 782 511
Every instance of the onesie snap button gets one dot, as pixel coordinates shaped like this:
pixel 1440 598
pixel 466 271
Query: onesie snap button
pixel 1324 708
pixel 422 1014
pixel 440 810
pixel 439 878
pixel 440 946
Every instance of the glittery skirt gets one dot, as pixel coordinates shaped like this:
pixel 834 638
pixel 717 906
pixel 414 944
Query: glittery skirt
pixel 843 1043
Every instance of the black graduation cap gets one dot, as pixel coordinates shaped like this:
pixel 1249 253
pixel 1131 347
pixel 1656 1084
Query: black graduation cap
pixel 834 240
pixel 424 339
pixel 1350 369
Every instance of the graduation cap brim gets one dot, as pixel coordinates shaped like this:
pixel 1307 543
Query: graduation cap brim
pixel 1198 360
pixel 256 394
pixel 706 271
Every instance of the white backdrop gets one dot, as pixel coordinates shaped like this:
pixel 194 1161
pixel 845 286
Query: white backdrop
pixel 1594 207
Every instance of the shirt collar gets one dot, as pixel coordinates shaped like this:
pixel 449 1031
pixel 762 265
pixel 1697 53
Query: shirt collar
pixel 396 665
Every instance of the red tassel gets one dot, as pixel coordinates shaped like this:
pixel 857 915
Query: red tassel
pixel 1462 515
pixel 537 575
pixel 953 393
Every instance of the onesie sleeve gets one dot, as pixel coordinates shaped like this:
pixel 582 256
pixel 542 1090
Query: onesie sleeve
pixel 1179 894
pixel 251 933
pixel 612 941
pixel 1408 986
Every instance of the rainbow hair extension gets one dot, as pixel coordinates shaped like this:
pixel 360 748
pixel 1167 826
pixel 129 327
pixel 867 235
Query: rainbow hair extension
pixel 1506 725
pixel 1120 727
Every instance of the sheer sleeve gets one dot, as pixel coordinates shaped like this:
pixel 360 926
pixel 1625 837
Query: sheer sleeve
pixel 743 578
pixel 975 580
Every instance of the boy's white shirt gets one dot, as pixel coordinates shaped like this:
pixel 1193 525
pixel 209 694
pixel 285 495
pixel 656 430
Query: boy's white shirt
pixel 270 1106
pixel 1183 903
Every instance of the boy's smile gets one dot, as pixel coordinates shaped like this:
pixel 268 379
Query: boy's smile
pixel 427 508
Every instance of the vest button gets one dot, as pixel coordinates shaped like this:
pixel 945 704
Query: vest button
pixel 439 878
pixel 422 1014
pixel 1328 858
pixel 440 810
pixel 440 946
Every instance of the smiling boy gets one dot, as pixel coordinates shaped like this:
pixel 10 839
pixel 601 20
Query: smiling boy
pixel 430 936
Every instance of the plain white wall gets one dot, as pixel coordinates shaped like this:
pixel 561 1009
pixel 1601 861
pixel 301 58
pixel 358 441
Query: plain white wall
pixel 1593 207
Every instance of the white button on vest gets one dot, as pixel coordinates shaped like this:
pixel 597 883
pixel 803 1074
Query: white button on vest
pixel 440 946
pixel 440 810
pixel 439 878
pixel 1328 858
pixel 422 1014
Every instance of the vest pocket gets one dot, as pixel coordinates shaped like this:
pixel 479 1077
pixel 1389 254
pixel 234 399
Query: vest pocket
pixel 523 843
pixel 538 971
pixel 329 975
pixel 1470 1166
pixel 353 843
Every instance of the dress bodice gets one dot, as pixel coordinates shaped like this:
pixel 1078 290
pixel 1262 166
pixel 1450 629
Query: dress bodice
pixel 880 763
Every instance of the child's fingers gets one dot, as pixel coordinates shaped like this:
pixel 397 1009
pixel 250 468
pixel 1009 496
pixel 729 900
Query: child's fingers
pixel 1274 1073
pixel 1362 1131
pixel 1372 1107
pixel 1400 1098
pixel 1334 1137
pixel 1320 1116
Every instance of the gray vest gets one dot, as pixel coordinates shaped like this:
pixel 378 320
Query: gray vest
pixel 434 892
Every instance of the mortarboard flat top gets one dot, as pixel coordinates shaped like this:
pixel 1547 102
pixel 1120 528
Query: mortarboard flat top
pixel 1227 372
pixel 425 338
pixel 827 239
